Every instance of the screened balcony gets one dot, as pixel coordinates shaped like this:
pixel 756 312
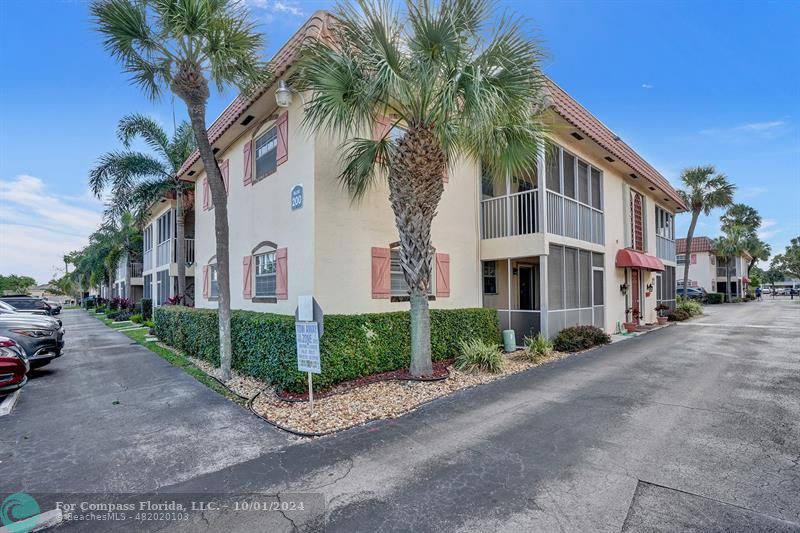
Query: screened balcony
pixel 512 287
pixel 572 205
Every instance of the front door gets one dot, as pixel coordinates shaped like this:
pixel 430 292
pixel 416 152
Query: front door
pixel 635 294
pixel 526 288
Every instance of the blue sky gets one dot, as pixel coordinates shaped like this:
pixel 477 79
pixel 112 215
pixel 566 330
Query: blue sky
pixel 684 83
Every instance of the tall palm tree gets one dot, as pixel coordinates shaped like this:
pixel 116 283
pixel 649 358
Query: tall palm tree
pixel 703 191
pixel 453 82
pixel 743 216
pixel 729 246
pixel 185 45
pixel 138 179
pixel 758 250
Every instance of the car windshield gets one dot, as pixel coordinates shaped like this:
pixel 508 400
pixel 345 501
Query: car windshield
pixel 6 307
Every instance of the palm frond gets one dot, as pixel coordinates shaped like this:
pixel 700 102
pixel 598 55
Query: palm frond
pixel 119 171
pixel 138 125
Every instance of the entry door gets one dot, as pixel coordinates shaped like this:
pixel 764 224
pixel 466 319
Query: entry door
pixel 526 299
pixel 635 293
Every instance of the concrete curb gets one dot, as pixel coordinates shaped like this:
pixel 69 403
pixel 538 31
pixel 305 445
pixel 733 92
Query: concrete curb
pixel 8 403
pixel 40 521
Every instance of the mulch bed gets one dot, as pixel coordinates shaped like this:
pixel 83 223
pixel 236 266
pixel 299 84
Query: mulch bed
pixel 440 372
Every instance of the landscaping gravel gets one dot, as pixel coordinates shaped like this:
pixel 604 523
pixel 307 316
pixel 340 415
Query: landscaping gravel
pixel 346 406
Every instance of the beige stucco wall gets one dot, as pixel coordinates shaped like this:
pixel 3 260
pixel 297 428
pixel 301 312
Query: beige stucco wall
pixel 347 231
pixel 262 212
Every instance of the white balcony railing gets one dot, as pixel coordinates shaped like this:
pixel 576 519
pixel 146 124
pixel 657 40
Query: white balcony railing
pixel 508 216
pixel 163 253
pixel 665 248
pixel 188 248
pixel 135 270
pixel 570 218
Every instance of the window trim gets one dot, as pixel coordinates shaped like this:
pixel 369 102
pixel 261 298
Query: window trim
pixel 493 275
pixel 212 275
pixel 274 275
pixel 396 297
pixel 273 128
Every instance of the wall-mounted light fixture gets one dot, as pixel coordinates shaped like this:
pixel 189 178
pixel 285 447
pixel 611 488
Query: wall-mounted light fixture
pixel 650 287
pixel 623 289
pixel 283 95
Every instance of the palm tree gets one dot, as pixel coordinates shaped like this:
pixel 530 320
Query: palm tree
pixel 185 45
pixel 138 179
pixel 730 245
pixel 758 250
pixel 704 190
pixel 447 92
pixel 741 215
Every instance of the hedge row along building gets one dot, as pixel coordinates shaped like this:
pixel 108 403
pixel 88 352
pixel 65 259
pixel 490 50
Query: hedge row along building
pixel 585 237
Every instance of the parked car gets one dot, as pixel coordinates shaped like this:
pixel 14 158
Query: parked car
pixel 55 307
pixel 692 293
pixel 28 304
pixel 41 338
pixel 14 366
pixel 766 290
pixel 6 308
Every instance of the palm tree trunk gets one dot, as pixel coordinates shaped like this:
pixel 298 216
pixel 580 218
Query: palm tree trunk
pixel 688 253
pixel 219 197
pixel 180 245
pixel 421 365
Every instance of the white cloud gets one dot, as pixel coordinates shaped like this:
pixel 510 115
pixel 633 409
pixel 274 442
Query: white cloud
pixel 748 193
pixel 37 226
pixel 648 86
pixel 760 126
pixel 766 129
pixel 272 7
pixel 764 232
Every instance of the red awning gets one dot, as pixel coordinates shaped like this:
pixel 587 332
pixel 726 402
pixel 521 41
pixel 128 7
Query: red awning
pixel 632 259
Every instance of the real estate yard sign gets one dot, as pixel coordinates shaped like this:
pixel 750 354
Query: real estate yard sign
pixel 307 334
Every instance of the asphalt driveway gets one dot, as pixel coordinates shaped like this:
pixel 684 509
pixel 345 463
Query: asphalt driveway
pixel 112 416
pixel 695 426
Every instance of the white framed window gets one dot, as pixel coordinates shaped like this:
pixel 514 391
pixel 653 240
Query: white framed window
pixel 265 274
pixel 266 153
pixel 680 259
pixel 213 285
pixel 665 223
pixel 489 277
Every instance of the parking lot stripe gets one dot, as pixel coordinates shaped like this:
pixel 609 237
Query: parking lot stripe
pixel 9 402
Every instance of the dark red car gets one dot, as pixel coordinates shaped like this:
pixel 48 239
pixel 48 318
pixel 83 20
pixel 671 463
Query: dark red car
pixel 14 366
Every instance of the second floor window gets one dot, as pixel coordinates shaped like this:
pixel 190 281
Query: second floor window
pixel 213 285
pixel 265 274
pixel 266 149
pixel 665 224
pixel 148 238
pixel 164 225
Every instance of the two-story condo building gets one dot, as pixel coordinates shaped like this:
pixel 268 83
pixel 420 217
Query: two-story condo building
pixel 709 271
pixel 582 238
pixel 160 260
pixel 128 280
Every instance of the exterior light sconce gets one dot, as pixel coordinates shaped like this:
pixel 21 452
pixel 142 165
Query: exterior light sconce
pixel 650 287
pixel 623 289
pixel 284 93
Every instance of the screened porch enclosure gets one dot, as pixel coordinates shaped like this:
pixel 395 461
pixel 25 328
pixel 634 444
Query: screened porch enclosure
pixel 513 287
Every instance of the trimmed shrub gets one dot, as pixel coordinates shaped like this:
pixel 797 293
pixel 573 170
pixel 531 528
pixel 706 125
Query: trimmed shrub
pixel 538 347
pixel 478 355
pixel 122 316
pixel 679 315
pixel 577 338
pixel 149 323
pixel 112 314
pixel 690 307
pixel 352 345
pixel 136 318
pixel 715 298
pixel 147 308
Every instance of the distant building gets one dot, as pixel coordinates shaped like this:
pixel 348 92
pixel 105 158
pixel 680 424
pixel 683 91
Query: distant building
pixel 708 270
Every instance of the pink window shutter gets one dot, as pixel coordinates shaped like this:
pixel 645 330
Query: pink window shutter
pixel 247 153
pixel 281 274
pixel 205 195
pixel 381 127
pixel 282 150
pixel 205 281
pixel 224 170
pixel 442 275
pixel 694 259
pixel 247 280
pixel 381 273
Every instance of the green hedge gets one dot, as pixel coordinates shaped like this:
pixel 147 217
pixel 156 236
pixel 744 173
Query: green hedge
pixel 715 298
pixel 352 345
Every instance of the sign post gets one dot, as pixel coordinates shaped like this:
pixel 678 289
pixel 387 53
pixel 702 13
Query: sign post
pixel 307 332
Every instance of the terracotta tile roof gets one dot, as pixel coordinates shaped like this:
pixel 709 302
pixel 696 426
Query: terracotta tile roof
pixel 318 27
pixel 588 124
pixel 315 27
pixel 699 244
